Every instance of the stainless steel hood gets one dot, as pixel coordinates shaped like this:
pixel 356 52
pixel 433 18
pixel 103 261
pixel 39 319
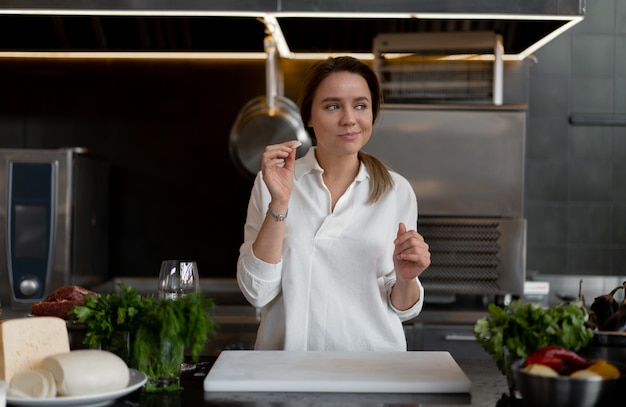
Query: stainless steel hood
pixel 309 26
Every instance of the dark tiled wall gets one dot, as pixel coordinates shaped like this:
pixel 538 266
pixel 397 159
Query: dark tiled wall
pixel 576 174
pixel 164 127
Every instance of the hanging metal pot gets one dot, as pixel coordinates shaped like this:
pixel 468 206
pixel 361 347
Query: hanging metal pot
pixel 265 120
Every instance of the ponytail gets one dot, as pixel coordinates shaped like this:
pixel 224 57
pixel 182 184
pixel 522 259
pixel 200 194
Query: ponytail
pixel 381 180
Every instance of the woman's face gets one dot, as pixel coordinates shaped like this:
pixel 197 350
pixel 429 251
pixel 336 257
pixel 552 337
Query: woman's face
pixel 341 113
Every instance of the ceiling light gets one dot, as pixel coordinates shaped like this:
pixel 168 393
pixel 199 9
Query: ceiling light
pixel 270 19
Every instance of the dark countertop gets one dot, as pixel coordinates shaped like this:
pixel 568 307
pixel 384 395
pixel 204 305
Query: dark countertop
pixel 489 389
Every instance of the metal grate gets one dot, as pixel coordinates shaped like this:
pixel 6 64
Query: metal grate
pixel 413 81
pixel 440 67
pixel 471 257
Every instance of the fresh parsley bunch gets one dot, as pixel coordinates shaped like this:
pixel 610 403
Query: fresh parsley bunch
pixel 106 315
pixel 522 327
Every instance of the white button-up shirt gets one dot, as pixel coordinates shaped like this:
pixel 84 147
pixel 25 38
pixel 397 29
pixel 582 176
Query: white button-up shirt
pixel 331 289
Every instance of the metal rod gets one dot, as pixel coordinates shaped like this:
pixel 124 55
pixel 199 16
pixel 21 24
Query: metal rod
pixel 598 119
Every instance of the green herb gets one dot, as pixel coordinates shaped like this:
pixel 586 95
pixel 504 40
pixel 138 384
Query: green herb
pixel 523 327
pixel 184 323
pixel 167 328
pixel 106 315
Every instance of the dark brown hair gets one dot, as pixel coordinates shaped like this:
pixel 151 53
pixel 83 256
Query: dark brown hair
pixel 379 173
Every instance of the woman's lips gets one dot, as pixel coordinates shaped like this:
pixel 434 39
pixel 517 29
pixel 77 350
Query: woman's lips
pixel 349 136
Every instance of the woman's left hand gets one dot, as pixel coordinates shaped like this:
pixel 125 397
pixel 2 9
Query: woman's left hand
pixel 411 255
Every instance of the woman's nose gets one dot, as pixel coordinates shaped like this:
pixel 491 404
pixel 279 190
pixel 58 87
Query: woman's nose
pixel 348 118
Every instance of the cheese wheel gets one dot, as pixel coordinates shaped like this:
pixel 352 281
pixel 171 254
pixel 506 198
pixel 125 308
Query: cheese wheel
pixel 34 384
pixel 87 371
pixel 25 342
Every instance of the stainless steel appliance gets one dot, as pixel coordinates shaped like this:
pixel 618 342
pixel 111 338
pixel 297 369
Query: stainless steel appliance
pixel 413 67
pixel 53 222
pixel 466 164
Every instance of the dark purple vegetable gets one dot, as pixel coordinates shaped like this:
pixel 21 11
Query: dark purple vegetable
pixel 616 321
pixel 592 320
pixel 604 307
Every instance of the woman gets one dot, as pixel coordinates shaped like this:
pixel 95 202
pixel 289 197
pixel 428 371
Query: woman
pixel 329 255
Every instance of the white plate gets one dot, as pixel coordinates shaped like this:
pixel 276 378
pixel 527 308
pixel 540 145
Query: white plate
pixel 137 379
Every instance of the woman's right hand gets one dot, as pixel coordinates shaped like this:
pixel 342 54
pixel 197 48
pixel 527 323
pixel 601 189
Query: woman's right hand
pixel 277 167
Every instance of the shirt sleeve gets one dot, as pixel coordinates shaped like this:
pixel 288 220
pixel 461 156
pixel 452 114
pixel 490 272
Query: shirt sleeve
pixel 408 213
pixel 412 312
pixel 259 282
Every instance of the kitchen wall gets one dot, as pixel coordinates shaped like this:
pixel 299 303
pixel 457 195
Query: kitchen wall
pixel 164 127
pixel 576 174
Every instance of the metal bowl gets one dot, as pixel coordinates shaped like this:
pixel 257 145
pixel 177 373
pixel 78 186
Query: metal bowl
pixel 562 391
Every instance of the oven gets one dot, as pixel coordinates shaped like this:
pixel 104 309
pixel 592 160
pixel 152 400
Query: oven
pixel 53 222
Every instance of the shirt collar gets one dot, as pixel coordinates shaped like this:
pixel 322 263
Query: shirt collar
pixel 308 163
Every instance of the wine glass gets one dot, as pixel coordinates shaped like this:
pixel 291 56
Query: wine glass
pixel 178 278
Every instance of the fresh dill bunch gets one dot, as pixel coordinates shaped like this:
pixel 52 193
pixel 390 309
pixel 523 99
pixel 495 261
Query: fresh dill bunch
pixel 167 328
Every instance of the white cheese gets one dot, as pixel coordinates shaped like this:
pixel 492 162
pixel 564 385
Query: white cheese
pixel 87 371
pixel 34 384
pixel 25 342
pixel 4 388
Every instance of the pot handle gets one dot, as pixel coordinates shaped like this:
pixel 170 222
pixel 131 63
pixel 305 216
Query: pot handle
pixel 272 76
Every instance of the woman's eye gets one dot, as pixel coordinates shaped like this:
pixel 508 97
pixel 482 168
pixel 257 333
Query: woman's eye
pixel 332 107
pixel 361 107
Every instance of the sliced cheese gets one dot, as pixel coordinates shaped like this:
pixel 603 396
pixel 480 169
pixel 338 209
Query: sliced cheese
pixel 25 342
pixel 87 371
pixel 34 384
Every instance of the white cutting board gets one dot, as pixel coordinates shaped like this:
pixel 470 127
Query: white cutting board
pixel 336 371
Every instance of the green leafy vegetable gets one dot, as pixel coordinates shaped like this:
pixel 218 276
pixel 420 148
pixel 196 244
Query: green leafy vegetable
pixel 106 315
pixel 185 323
pixel 523 327
pixel 179 324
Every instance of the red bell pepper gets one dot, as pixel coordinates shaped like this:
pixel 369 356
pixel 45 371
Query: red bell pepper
pixel 562 360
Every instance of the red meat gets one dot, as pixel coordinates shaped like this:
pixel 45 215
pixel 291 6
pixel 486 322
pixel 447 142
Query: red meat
pixel 61 301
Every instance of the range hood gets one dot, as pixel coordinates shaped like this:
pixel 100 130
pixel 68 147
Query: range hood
pixel 308 26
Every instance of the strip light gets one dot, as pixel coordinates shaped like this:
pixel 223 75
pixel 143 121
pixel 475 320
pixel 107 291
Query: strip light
pixel 131 13
pixel 273 28
pixel 529 51
pixel 272 24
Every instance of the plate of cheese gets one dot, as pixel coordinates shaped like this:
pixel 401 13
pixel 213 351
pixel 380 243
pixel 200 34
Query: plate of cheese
pixel 137 380
pixel 42 370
